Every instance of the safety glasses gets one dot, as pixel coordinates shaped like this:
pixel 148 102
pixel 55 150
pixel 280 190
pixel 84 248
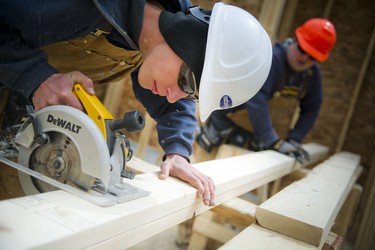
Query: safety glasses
pixel 304 52
pixel 187 83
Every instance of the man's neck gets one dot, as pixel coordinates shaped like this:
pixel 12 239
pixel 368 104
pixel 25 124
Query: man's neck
pixel 150 34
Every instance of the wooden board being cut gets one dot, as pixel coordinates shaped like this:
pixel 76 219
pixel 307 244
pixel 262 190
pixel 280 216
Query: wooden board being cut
pixel 306 209
pixel 58 220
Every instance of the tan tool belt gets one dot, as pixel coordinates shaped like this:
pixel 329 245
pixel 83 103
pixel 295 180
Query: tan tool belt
pixel 93 56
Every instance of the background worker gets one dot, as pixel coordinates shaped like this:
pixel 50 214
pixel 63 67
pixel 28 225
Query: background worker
pixel 294 73
pixel 55 45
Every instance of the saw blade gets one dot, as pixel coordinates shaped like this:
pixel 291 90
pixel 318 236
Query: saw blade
pixel 59 159
pixel 7 136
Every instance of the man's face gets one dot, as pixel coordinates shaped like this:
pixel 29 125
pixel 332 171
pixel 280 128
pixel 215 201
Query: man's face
pixel 159 72
pixel 298 60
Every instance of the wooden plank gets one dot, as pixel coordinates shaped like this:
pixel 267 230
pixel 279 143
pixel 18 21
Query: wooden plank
pixel 365 235
pixel 256 237
pixel 140 166
pixel 240 211
pixel 347 211
pixel 270 16
pixel 58 220
pixel 237 211
pixel 357 89
pixel 306 209
pixel 287 20
pixel 226 150
pixel 203 225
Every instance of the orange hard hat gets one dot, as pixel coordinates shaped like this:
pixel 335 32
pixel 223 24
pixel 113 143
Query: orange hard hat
pixel 317 36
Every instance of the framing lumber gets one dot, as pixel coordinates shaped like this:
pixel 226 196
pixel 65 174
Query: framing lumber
pixel 287 19
pixel 240 211
pixel 270 16
pixel 306 209
pixel 59 220
pixel 256 237
pixel 347 211
pixel 357 89
pixel 236 211
pixel 365 237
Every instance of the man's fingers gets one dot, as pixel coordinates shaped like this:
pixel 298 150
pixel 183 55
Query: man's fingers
pixel 164 171
pixel 87 83
pixel 75 103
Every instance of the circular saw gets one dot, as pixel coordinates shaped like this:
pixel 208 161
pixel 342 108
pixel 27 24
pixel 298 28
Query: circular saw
pixel 60 147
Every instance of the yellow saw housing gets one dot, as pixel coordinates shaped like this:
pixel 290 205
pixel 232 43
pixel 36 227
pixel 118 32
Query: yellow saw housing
pixel 94 108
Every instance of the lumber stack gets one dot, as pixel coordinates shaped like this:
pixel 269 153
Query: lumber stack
pixel 301 215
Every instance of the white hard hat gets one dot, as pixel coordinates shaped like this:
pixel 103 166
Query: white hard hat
pixel 237 60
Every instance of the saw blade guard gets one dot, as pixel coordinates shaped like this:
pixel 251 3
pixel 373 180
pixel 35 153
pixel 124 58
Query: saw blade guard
pixel 74 136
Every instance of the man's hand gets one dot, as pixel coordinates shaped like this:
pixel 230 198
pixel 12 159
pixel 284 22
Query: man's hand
pixel 57 90
pixel 291 148
pixel 178 166
pixel 300 149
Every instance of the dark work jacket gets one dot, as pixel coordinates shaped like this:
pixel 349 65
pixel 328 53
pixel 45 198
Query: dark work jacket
pixel 306 87
pixel 26 26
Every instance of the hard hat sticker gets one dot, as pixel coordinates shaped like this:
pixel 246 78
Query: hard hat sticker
pixel 226 102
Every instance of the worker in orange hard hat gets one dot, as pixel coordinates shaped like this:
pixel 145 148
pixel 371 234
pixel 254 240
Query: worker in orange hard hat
pixel 317 37
pixel 295 73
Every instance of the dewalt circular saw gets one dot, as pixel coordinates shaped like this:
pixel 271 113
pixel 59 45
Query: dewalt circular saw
pixel 60 147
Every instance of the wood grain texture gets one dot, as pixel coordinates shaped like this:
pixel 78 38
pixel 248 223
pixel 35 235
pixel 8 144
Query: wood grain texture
pixel 306 209
pixel 58 220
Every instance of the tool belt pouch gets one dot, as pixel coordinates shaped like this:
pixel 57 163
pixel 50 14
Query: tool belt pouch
pixel 93 56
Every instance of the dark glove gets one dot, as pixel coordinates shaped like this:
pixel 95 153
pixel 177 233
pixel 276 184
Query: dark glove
pixel 303 152
pixel 256 145
pixel 209 136
pixel 291 148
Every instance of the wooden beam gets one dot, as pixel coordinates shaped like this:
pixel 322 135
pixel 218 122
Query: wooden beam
pixel 287 20
pixel 60 220
pixel 236 211
pixel 306 209
pixel 328 8
pixel 240 211
pixel 357 89
pixel 205 226
pixel 347 211
pixel 365 237
pixel 256 237
pixel 270 16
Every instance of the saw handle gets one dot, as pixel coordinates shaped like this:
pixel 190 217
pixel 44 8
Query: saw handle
pixel 132 122
pixel 40 137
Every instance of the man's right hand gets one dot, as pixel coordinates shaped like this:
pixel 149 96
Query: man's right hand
pixel 57 90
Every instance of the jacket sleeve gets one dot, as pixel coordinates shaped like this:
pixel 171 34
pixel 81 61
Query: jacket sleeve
pixel 176 122
pixel 260 118
pixel 309 109
pixel 258 109
pixel 22 68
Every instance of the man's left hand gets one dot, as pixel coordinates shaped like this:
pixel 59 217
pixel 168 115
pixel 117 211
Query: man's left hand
pixel 177 166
